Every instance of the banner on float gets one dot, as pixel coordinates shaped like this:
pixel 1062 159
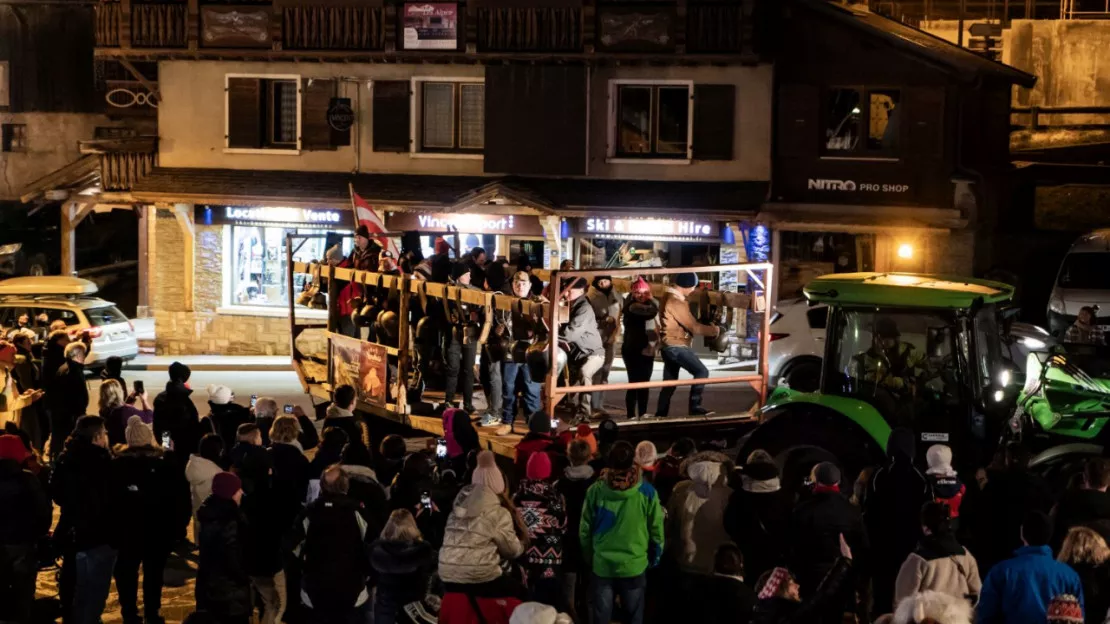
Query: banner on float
pixel 361 365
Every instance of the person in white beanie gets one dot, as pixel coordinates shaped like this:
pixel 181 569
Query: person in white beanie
pixel 226 415
pixel 943 480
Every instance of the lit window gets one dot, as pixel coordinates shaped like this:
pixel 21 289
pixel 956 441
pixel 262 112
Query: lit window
pixel 861 121
pixel 453 117
pixel 258 262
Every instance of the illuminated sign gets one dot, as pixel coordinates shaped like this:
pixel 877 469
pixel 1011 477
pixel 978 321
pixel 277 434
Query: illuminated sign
pixel 325 217
pixel 813 184
pixel 464 223
pixel 649 227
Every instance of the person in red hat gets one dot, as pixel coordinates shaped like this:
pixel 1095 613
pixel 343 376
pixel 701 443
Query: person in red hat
pixel 223 587
pixel 544 511
pixel 25 521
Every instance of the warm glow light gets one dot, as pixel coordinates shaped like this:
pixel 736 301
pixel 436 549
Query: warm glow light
pixel 855 111
pixel 905 251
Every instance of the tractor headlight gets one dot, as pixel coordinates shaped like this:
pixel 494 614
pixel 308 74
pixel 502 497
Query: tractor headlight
pixel 1032 373
pixel 998 396
pixel 1004 377
pixel 1034 343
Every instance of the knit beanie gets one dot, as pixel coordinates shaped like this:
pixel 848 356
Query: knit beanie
pixel 11 447
pixel 646 454
pixel 179 373
pixel 827 474
pixel 686 280
pixel 495 276
pixel 488 474
pixel 539 423
pixel 138 433
pixel 225 485
pixel 1064 609
pixel 640 285
pixel 539 466
pixel 939 458
pixel 219 395
pixel 583 432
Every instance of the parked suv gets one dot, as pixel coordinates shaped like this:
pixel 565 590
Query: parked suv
pixel 1083 280
pixel 797 344
pixel 45 299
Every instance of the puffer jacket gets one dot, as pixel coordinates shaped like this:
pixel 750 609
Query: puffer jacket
pixel 479 535
pixel 939 564
pixel 696 512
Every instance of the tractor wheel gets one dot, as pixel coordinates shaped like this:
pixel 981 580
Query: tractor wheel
pixel 799 436
pixel 804 375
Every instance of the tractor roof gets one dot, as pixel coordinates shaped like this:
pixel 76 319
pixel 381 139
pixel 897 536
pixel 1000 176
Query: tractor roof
pixel 905 290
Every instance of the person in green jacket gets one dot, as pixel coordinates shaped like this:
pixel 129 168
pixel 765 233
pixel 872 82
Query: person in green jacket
pixel 621 534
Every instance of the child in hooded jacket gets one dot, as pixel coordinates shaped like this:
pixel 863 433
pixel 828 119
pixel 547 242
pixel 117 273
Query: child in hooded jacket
pixel 943 480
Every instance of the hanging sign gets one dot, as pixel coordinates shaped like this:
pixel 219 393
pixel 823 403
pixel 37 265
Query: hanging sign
pixel 341 117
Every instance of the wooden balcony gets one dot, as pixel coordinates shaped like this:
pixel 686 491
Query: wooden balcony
pixel 122 161
pixel 476 30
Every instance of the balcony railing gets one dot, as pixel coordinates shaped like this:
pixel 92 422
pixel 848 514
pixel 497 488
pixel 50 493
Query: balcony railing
pixel 573 28
pixel 123 161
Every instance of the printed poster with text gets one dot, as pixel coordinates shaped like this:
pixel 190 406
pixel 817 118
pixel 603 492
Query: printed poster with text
pixel 372 375
pixel 346 355
pixel 431 26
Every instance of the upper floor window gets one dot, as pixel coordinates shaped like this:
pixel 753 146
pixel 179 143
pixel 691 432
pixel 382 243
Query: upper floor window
pixel 13 138
pixel 862 121
pixel 452 117
pixel 263 112
pixel 652 121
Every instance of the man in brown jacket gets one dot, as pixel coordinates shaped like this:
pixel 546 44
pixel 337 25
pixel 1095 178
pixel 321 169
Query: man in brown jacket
pixel 678 327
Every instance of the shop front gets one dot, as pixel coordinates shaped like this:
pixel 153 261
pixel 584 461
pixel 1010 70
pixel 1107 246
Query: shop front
pixel 252 240
pixel 516 238
pixel 621 241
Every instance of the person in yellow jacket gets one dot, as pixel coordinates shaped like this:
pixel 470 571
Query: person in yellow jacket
pixel 890 362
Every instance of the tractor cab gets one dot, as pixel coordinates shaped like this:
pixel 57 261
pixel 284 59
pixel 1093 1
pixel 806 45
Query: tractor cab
pixel 901 350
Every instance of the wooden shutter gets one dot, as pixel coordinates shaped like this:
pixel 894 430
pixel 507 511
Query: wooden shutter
pixel 536 119
pixel 315 97
pixel 714 121
pixel 391 116
pixel 244 112
pixel 798 132
pixel 924 113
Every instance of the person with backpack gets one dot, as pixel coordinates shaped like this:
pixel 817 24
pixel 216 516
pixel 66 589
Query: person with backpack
pixel 330 548
pixel 943 481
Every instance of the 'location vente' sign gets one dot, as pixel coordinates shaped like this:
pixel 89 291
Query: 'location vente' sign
pixel 324 217
pixel 649 227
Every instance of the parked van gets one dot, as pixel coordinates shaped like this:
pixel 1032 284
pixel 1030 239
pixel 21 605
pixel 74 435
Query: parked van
pixel 45 299
pixel 1083 280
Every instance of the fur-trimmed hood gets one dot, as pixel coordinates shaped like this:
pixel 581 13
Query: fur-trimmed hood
pixel 707 456
pixel 933 605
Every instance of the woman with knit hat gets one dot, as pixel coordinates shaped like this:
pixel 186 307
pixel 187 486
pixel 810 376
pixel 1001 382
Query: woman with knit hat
pixel 639 345
pixel 484 532
pixel 545 515
pixel 144 484
pixel 223 590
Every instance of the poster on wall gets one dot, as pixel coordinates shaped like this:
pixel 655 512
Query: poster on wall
pixel 346 357
pixel 431 26
pixel 372 375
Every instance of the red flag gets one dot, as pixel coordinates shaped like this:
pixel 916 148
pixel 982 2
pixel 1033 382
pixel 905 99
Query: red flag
pixel 365 215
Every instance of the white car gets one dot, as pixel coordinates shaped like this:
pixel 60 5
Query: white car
pixel 1083 280
pixel 45 299
pixel 797 344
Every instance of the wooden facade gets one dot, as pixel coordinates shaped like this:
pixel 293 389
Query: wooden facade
pixel 49 49
pixel 374 30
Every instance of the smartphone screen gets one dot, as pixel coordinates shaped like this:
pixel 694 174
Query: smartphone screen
pixel 167 443
pixel 139 388
pixel 288 408
pixel 254 399
pixel 554 423
pixel 425 500
pixel 441 448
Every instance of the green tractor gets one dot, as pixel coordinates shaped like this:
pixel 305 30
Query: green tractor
pixel 931 353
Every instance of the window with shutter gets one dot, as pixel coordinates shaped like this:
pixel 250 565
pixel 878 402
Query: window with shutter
pixel 316 134
pixel 391 115
pixel 714 121
pixel 263 112
pixel 452 117
pixel 651 120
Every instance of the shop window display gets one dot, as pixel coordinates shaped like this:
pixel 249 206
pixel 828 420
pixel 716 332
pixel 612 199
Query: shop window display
pixel 258 262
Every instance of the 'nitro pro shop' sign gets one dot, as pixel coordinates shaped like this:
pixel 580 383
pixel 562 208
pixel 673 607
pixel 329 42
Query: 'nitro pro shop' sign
pixel 649 227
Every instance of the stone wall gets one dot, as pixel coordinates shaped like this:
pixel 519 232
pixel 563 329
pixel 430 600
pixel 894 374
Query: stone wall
pixel 204 330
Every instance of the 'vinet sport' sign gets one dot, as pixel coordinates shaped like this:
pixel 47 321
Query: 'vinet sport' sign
pixel 464 223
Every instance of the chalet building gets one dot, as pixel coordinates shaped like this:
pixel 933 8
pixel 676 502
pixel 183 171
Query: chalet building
pixel 55 117
pixel 891 148
pixel 676 131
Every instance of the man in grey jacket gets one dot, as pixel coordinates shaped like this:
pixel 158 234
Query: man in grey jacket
pixel 607 311
pixel 586 351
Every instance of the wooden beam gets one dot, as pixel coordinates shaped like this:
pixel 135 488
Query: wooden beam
pixel 145 220
pixel 147 84
pixel 72 215
pixel 184 215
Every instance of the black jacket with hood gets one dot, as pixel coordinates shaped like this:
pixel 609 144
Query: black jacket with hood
pixel 224 421
pixel 223 586
pixel 27 509
pixel 402 570
pixel 81 484
pixel 148 494
pixel 175 413
pixel 328 544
